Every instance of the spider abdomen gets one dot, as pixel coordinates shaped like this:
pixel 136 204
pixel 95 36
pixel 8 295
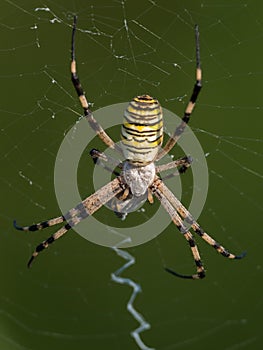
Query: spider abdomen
pixel 142 130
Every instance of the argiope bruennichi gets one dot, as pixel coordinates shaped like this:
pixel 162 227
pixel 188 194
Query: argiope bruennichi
pixel 141 138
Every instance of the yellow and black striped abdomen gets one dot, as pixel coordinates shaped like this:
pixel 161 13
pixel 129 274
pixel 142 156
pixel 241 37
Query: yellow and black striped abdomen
pixel 142 130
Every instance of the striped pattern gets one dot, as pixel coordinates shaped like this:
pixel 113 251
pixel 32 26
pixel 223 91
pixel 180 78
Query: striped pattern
pixel 84 209
pixel 142 130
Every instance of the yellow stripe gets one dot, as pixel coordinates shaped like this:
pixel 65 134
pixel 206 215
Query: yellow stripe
pixel 142 128
pixel 143 112
pixel 149 99
pixel 141 145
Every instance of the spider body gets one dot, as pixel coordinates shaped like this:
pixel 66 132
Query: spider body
pixel 142 136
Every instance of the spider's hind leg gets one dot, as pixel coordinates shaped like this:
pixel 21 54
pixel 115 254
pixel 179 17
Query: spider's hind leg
pixel 45 244
pixel 81 211
pixel 200 271
pixel 41 225
pixel 188 218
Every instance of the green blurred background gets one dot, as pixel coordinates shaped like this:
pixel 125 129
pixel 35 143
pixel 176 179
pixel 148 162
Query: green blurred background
pixel 67 300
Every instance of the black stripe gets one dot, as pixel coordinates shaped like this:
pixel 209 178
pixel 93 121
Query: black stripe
pixel 141 150
pixel 225 253
pixel 147 117
pixel 141 135
pixel 144 101
pixel 44 224
pixel 67 226
pixel 186 117
pixel 141 141
pixel 83 213
pixel 143 120
pixel 146 98
pixel 200 231
pixel 50 240
pixel 188 219
pixel 144 125
pixel 197 88
pixel 77 85
pixel 198 263
pixel 138 105
pixel 201 274
pixel 146 133
pixel 216 245
pixel 33 228
pixel 40 247
pixel 191 242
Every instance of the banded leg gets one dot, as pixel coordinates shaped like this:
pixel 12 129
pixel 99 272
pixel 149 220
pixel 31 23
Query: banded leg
pixel 183 163
pixel 178 206
pixel 86 208
pixel 187 235
pixel 84 103
pixel 98 156
pixel 191 104
pixel 41 225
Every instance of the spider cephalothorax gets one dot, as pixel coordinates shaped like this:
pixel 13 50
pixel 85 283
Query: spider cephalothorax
pixel 138 178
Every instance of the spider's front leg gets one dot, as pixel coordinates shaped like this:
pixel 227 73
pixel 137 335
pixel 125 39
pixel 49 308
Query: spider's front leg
pixel 191 104
pixel 106 162
pixel 82 98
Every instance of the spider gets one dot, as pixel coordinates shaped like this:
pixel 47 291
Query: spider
pixel 141 138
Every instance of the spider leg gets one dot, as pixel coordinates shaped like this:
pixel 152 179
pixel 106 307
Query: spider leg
pixel 47 242
pixel 183 163
pixel 191 104
pixel 84 103
pixel 86 208
pixel 41 225
pixel 98 156
pixel 195 226
pixel 182 228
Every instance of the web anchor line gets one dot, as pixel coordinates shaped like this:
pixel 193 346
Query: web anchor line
pixel 115 276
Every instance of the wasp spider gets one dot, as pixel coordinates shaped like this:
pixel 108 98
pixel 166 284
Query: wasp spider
pixel 141 138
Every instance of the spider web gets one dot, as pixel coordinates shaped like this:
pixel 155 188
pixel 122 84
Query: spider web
pixel 126 48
